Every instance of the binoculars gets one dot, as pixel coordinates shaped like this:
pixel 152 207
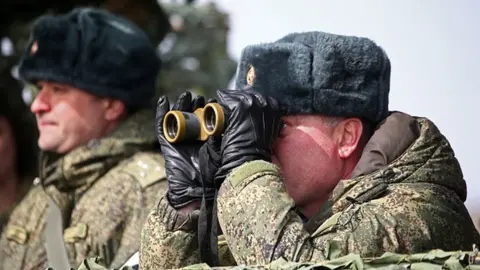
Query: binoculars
pixel 181 126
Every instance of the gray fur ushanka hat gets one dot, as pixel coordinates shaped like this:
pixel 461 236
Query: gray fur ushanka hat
pixel 96 51
pixel 320 73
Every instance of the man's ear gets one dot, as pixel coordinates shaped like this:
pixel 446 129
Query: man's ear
pixel 115 109
pixel 348 134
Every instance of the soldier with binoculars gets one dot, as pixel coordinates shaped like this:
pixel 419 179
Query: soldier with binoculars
pixel 343 175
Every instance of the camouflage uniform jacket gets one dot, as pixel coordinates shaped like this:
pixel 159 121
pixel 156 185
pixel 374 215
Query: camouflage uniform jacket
pixel 23 188
pixel 406 195
pixel 104 190
pixel 431 260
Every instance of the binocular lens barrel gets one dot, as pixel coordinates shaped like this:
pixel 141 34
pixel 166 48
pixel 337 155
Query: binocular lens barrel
pixel 213 119
pixel 180 126
pixel 172 126
pixel 210 119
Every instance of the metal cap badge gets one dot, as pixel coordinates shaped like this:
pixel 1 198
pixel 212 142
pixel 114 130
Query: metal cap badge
pixel 34 48
pixel 250 75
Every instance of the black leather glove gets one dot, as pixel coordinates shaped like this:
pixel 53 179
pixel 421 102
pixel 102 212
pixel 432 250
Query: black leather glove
pixel 252 124
pixel 182 163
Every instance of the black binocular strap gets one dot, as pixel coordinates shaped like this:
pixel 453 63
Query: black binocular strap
pixel 208 229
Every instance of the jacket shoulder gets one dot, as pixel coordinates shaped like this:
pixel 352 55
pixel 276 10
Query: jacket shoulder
pixel 22 225
pixel 147 168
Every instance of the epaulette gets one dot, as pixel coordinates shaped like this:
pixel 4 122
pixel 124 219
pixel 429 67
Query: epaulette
pixel 147 168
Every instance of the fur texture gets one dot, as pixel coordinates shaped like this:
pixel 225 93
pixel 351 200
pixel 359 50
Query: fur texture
pixel 321 73
pixel 95 51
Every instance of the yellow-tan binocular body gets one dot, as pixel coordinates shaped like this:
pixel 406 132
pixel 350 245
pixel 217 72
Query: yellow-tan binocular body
pixel 181 126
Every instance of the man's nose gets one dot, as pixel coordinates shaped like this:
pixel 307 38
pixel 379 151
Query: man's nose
pixel 41 103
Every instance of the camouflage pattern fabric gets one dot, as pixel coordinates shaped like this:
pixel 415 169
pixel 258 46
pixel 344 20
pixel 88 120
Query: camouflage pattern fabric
pixel 412 204
pixel 194 54
pixel 104 189
pixel 23 189
pixel 432 260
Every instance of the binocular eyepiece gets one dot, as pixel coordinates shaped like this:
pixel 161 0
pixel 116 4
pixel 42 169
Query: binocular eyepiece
pixel 181 126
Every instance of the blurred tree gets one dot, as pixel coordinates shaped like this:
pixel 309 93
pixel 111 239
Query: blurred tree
pixel 194 54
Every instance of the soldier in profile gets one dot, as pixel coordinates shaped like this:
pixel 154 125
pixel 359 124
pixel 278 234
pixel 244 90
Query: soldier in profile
pixel 101 170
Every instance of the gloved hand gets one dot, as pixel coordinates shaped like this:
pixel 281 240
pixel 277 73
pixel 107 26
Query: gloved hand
pixel 183 167
pixel 252 124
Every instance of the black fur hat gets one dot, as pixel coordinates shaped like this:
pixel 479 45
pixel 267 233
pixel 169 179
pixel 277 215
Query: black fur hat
pixel 320 73
pixel 96 51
